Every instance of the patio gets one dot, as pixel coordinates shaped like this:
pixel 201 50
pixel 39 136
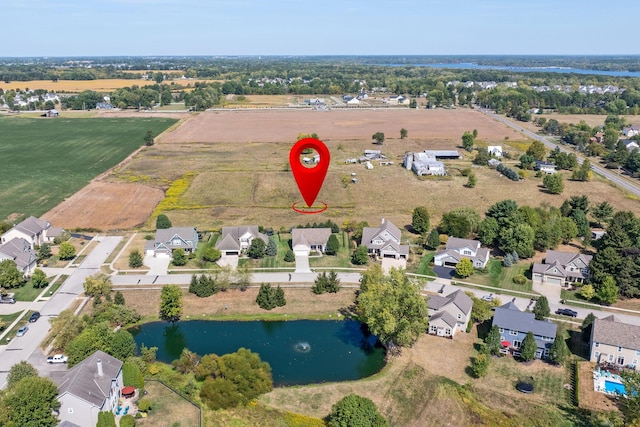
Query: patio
pixel 126 404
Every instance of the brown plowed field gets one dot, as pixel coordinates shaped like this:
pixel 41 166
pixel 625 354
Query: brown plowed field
pixel 285 125
pixel 106 206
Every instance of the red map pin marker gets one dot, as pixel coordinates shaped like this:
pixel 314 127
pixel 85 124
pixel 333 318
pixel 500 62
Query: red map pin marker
pixel 310 179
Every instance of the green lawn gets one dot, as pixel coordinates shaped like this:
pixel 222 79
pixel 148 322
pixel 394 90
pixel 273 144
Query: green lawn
pixel 501 277
pixel 26 292
pixel 46 160
pixel 6 319
pixel 425 265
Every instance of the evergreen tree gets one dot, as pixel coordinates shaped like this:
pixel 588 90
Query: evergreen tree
pixel 420 220
pixel 257 248
pixel 541 308
pixel 279 297
pixel 529 347
pixel 493 340
pixel 266 298
pixel 507 261
pixel 433 241
pixel 333 245
pixel 118 299
pixel 162 222
pixel 289 256
pixel 44 251
pixel 360 255
pixel 272 248
pixel 135 259
pixel 559 351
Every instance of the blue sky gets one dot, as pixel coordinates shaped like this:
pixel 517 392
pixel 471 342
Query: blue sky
pixel 327 27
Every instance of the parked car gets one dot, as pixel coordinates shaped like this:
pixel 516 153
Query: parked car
pixel 488 297
pixel 7 300
pixel 23 330
pixel 567 312
pixel 34 317
pixel 58 358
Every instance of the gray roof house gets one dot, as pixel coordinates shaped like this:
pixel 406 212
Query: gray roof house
pixel 91 386
pixel 384 241
pixel 238 238
pixel 561 269
pixel 54 232
pixel 457 248
pixel 615 342
pixel 169 239
pixel 305 240
pixel 514 325
pixel 32 229
pixel 19 251
pixel 448 314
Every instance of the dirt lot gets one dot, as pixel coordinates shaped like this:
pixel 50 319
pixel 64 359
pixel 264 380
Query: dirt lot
pixel 589 398
pixel 106 206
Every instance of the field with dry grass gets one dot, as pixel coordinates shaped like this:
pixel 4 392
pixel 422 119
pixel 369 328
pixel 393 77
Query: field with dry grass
pixel 77 86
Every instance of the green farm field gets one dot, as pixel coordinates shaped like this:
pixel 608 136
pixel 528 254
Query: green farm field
pixel 45 161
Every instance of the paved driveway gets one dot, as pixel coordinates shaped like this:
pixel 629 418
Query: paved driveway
pixel 444 272
pixel 158 266
pixel 389 263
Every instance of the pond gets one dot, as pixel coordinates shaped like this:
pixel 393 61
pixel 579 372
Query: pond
pixel 299 352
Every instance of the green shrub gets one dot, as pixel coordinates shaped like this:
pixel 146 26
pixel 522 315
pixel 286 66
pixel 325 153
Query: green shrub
pixel 519 279
pixel 127 421
pixel 144 405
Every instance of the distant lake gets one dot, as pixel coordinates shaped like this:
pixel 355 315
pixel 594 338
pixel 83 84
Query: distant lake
pixel 299 352
pixel 473 66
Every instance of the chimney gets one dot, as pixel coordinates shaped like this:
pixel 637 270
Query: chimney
pixel 100 371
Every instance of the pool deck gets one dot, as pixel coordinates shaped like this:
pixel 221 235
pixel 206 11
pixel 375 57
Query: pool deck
pixel 599 378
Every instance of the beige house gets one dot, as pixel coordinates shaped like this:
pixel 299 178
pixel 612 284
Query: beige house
pixel 236 239
pixel 91 386
pixel 305 240
pixel 615 342
pixel 449 314
pixel 561 269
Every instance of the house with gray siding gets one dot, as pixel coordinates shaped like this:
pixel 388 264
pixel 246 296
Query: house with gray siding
pixel 169 239
pixel 384 241
pixel 88 388
pixel 561 269
pixel 514 325
pixel 20 251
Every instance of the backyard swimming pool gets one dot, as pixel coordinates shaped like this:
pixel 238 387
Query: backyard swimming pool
pixel 614 387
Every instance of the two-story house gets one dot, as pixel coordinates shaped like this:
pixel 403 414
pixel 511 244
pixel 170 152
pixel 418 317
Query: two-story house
pixel 88 388
pixel 449 314
pixel 561 269
pixel 384 241
pixel 32 229
pixel 514 325
pixel 236 239
pixel 169 239
pixel 305 240
pixel 457 248
pixel 19 251
pixel 615 342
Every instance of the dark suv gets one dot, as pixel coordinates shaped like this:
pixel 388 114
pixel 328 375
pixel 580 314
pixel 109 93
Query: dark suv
pixel 567 312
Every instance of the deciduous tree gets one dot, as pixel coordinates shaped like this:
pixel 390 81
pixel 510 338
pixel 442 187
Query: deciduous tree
pixel 355 411
pixel 39 279
pixel 464 268
pixel 480 365
pixel 171 303
pixel 19 371
pixel 553 183
pixel 537 150
pixel 360 255
pixel 97 284
pixel 257 248
pixel 403 133
pixel 493 341
pixel 333 245
pixel 178 257
pixel 32 401
pixel 392 307
pixel 66 251
pixel 559 351
pixel 420 220
pixel 378 137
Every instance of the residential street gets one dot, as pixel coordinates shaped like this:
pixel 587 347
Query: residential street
pixel 26 347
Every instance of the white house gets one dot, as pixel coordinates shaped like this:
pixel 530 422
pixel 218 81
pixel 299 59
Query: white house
pixel 457 248
pixel 631 131
pixel 88 388
pixel 495 150
pixel 32 229
pixel 545 167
